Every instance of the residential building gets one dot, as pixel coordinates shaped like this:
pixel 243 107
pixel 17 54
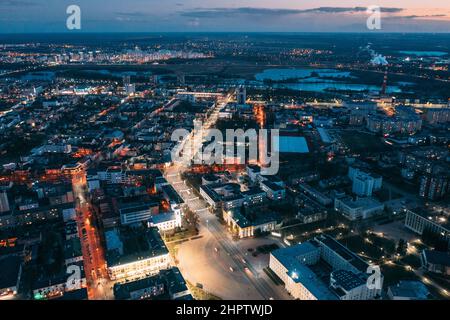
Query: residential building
pixel 420 220
pixel 408 290
pixel 436 261
pixel 10 275
pixel 135 253
pixel 297 267
pixel 359 208
pixel 168 284
pixel 137 211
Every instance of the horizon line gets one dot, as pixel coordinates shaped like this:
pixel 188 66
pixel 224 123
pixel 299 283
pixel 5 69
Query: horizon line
pixel 222 32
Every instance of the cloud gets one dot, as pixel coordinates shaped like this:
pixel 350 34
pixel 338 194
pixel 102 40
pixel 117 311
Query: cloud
pixel 348 10
pixel 423 16
pixel 132 14
pixel 194 22
pixel 271 12
pixel 17 3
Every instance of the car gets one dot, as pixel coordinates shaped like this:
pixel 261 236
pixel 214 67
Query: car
pixel 244 261
pixel 231 269
pixel 216 249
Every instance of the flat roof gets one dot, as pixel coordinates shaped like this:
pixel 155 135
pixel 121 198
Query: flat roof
pixel 171 279
pixel 344 252
pixel 137 244
pixel 437 257
pixel 412 289
pixel 290 257
pixel 10 269
pixel 346 279
pixel 172 194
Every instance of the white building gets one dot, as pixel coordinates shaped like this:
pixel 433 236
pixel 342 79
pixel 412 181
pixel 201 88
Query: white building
pixel 290 265
pixel 272 190
pixel 166 221
pixel 364 183
pixel 420 220
pixel 112 176
pixel 135 253
pixel 360 208
pixel 136 212
pixel 253 172
pixel 348 280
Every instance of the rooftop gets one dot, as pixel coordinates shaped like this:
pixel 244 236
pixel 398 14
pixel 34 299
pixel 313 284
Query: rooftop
pixel 346 279
pixel 437 257
pixel 412 289
pixel 344 252
pixel 138 244
pixel 10 269
pixel 171 280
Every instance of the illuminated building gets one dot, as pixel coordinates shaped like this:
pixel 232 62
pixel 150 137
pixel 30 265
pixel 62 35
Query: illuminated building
pixel 420 220
pixel 359 208
pixel 245 226
pixel 56 285
pixel 137 211
pixel 135 253
pixel 295 266
pixel 433 187
pixel 241 95
pixel 364 183
pixel 4 203
pixel 168 284
pixel 272 190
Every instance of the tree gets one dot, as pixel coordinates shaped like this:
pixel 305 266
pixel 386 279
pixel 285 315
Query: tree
pixel 191 219
pixel 401 247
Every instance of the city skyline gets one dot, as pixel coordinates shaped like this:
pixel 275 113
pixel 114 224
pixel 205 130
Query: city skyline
pixel 250 151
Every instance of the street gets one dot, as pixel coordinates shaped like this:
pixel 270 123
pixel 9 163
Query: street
pixel 98 284
pixel 214 259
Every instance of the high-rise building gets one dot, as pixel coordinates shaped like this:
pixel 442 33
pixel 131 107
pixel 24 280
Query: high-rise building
pixel 130 88
pixel 241 95
pixel 4 203
pixel 438 115
pixel 433 187
pixel 126 80
pixel 364 183
pixel 421 220
pixel 181 78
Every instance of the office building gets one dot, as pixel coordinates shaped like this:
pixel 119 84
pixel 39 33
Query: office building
pixel 298 266
pixel 241 95
pixel 359 208
pixel 135 253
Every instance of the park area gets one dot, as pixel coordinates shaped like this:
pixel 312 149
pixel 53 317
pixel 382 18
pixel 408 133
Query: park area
pixel 361 142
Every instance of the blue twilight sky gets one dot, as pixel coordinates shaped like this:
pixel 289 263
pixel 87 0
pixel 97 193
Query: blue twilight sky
pixel 224 15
